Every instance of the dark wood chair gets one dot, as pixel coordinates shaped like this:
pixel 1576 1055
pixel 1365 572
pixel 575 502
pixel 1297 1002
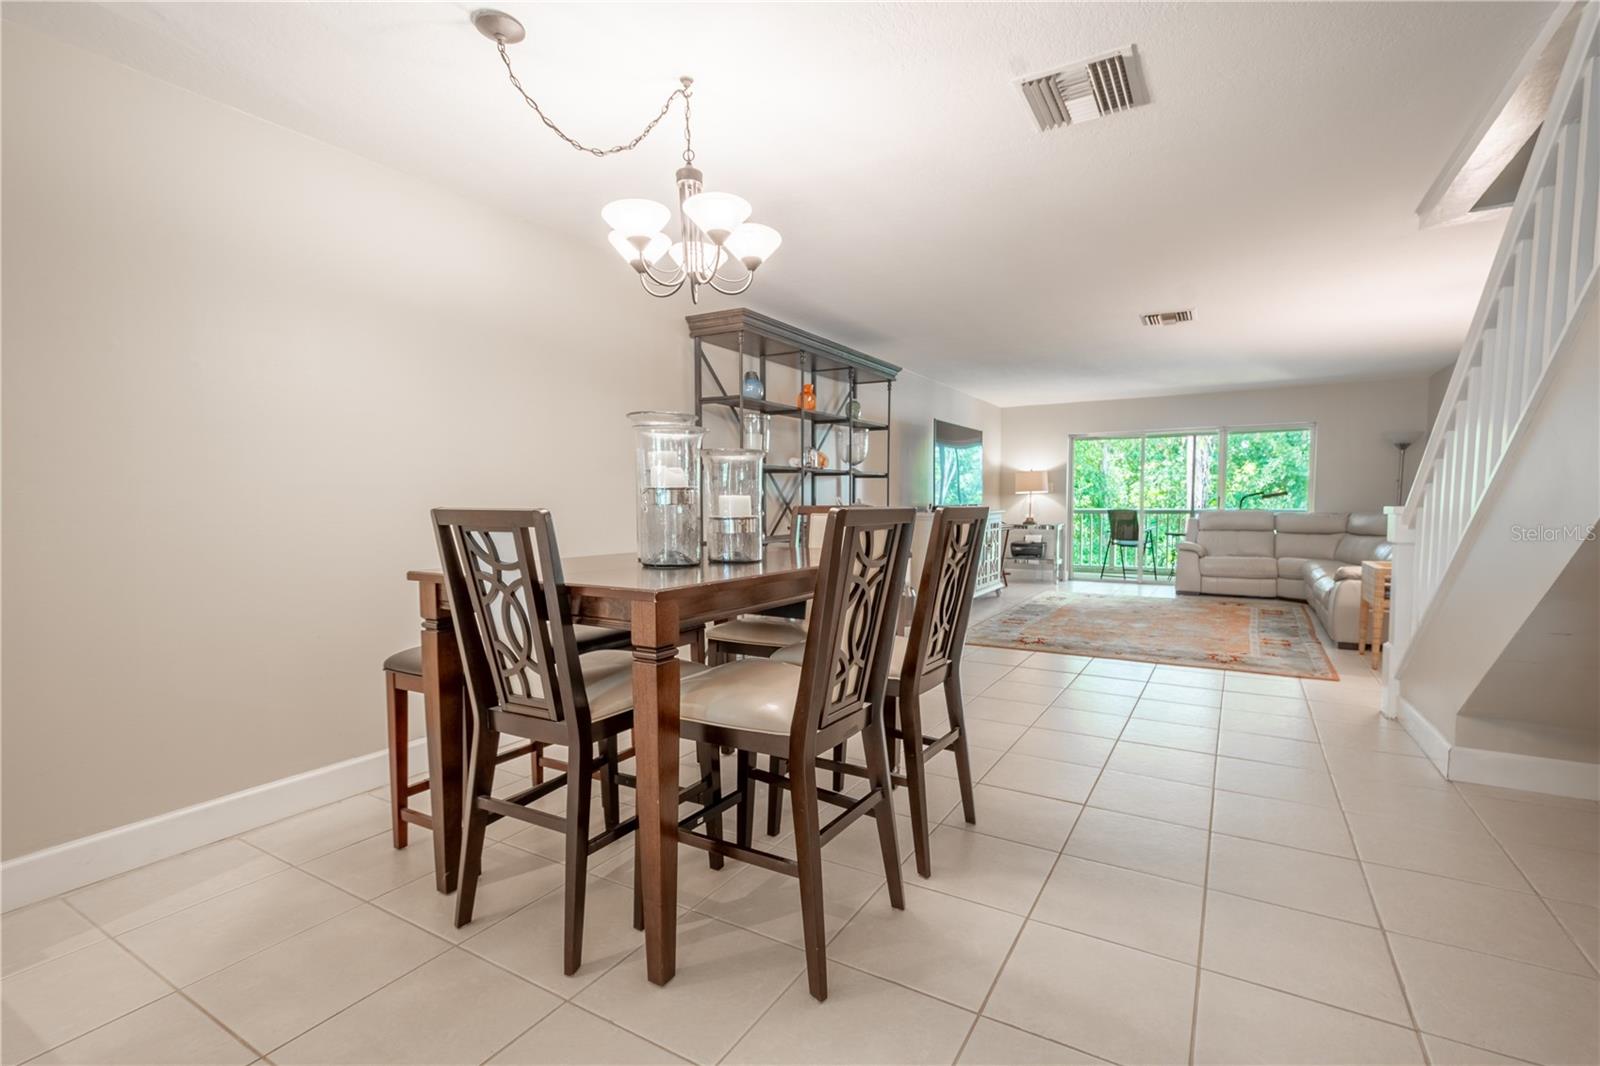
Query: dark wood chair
pixel 402 674
pixel 929 657
pixel 525 678
pixel 793 712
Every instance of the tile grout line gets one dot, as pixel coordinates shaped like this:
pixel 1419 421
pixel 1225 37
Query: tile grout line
pixel 1205 899
pixel 1388 945
pixel 993 984
pixel 1515 865
pixel 163 978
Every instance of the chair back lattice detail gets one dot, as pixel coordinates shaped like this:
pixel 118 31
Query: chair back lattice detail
pixel 944 590
pixel 1124 526
pixel 503 574
pixel 859 583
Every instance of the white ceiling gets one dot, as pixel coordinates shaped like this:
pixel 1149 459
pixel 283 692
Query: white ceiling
pixel 1271 184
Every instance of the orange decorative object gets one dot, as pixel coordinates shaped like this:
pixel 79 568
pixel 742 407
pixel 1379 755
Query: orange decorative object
pixel 808 397
pixel 822 460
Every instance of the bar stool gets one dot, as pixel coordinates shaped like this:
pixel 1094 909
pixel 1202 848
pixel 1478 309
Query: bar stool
pixel 930 656
pixel 525 678
pixel 402 674
pixel 766 707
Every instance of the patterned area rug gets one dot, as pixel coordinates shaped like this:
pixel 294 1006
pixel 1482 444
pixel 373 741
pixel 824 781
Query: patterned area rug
pixel 1262 636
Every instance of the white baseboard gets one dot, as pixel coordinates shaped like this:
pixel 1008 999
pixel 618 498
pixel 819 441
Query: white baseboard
pixel 1530 773
pixel 86 860
pixel 1427 736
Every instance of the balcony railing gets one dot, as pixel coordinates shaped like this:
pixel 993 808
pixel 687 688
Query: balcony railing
pixel 1160 530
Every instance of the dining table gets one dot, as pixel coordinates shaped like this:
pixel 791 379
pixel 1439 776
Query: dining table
pixel 655 605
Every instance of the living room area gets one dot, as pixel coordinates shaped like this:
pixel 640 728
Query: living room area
pixel 800 533
pixel 1124 497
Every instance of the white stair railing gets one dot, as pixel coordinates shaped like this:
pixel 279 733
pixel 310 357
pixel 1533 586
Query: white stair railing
pixel 1545 262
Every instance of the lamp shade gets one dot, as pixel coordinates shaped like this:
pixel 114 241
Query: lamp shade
pixel 636 218
pixel 637 249
pixel 1032 481
pixel 717 213
pixel 753 244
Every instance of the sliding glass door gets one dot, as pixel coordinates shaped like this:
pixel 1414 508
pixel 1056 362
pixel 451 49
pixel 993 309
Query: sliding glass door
pixel 1131 499
pixel 1132 494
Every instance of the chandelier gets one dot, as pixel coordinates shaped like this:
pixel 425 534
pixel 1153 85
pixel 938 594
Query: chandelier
pixel 717 245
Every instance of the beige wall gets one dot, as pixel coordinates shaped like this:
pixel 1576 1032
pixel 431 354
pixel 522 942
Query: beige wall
pixel 1354 467
pixel 240 365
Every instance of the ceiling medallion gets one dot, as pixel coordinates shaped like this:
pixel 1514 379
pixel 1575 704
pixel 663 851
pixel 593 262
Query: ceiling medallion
pixel 717 245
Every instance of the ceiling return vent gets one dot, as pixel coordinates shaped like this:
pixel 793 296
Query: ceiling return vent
pixel 1085 90
pixel 1167 318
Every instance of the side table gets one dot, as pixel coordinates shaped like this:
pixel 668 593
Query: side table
pixel 1374 613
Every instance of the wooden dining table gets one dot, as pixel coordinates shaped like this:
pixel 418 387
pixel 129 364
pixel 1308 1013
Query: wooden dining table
pixel 655 605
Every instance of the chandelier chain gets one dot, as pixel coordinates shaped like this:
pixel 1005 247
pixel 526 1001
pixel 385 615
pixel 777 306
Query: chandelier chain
pixel 685 91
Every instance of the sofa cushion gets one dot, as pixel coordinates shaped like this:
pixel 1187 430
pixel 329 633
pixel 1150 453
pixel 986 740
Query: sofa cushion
pixel 1219 520
pixel 1357 549
pixel 1368 525
pixel 1263 566
pixel 1318 577
pixel 1311 521
pixel 1237 542
pixel 1291 567
pixel 1306 545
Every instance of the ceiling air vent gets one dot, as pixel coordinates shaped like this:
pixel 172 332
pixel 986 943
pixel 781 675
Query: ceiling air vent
pixel 1167 318
pixel 1082 91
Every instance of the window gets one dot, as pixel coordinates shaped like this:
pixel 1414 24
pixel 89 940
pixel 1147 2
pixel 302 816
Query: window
pixel 957 465
pixel 1269 469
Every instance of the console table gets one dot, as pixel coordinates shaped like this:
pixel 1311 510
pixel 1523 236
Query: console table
pixel 1048 566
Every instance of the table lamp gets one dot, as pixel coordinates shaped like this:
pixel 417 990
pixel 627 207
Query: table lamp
pixel 1030 482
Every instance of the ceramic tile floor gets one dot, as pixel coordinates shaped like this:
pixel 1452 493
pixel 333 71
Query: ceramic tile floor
pixel 1169 865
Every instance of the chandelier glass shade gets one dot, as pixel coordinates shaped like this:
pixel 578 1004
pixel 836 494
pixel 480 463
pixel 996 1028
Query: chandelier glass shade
pixel 716 246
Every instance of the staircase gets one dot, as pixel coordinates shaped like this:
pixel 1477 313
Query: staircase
pixel 1507 493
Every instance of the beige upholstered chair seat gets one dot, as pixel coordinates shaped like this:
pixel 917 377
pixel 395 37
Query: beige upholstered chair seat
pixel 405 662
pixel 592 636
pixel 796 654
pixel 754 694
pixel 410 660
pixel 766 632
pixel 608 678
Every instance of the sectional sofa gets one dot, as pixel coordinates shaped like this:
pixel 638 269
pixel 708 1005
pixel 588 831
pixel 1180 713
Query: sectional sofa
pixel 1294 555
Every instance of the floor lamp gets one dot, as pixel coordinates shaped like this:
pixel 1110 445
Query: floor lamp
pixel 1030 482
pixel 1402 439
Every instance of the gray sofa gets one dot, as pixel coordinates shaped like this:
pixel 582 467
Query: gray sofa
pixel 1293 555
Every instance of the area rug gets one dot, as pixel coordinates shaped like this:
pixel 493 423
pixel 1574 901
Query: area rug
pixel 1261 636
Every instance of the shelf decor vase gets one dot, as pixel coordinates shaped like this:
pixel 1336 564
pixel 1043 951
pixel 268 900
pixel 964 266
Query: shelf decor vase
pixel 752 388
pixel 733 495
pixel 860 438
pixel 755 431
pixel 667 471
pixel 808 397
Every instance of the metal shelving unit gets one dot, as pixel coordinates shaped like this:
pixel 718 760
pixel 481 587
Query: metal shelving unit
pixel 762 344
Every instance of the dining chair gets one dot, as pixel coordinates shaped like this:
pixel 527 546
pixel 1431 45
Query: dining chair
pixel 754 636
pixel 402 675
pixel 926 658
pixel 793 712
pixel 525 678
pixel 1124 534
